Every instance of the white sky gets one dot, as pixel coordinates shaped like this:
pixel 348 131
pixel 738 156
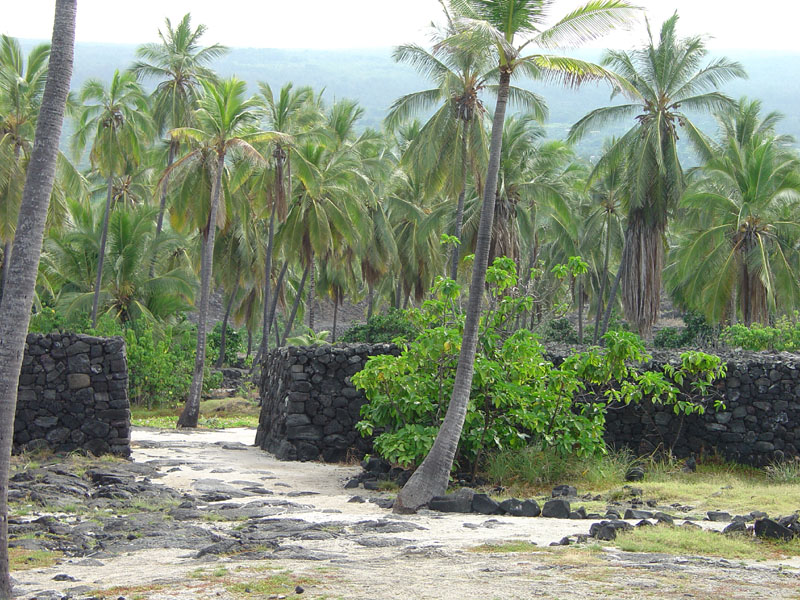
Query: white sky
pixel 766 24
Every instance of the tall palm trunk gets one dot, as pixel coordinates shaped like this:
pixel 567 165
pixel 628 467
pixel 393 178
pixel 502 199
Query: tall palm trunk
pixel 311 293
pixel 603 278
pixel 24 262
pixel 280 157
pixel 102 252
pixel 274 303
pixel 461 195
pixel 162 207
pixel 370 300
pixel 612 296
pixel 191 411
pixel 296 305
pixel 431 478
pixel 335 316
pixel 642 265
pixel 579 296
pixel 6 258
pixel 223 339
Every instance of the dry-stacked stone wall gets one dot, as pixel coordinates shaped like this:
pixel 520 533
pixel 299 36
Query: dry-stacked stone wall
pixel 73 394
pixel 309 408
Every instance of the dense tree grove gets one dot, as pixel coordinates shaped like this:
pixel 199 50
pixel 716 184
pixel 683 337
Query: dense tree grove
pixel 181 186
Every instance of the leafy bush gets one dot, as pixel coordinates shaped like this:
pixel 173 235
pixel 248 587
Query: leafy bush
pixel 784 336
pixel 382 329
pixel 234 343
pixel 697 331
pixel 518 396
pixel 560 330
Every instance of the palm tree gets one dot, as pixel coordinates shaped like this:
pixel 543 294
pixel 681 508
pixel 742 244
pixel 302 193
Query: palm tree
pixel 441 150
pixel 289 114
pixel 24 263
pixel 21 88
pixel 116 118
pixel 739 249
pixel 128 291
pixel 665 78
pixel 224 124
pixel 496 24
pixel 180 64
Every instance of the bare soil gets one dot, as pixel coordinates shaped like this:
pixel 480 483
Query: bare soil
pixel 295 524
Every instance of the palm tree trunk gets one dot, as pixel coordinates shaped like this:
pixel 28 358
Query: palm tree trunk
pixel 224 336
pixel 280 156
pixel 102 252
pixel 370 300
pixel 191 411
pixel 249 343
pixel 162 208
pixel 612 295
pixel 296 305
pixel 606 256
pixel 431 478
pixel 335 316
pixel 461 195
pixel 311 292
pixel 6 258
pixel 580 309
pixel 24 262
pixel 274 305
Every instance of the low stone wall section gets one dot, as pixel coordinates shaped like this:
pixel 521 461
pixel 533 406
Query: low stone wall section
pixel 309 408
pixel 73 395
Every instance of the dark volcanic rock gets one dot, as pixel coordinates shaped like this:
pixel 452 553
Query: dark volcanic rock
pixel 556 509
pixel 767 528
pixel 484 505
pixel 457 502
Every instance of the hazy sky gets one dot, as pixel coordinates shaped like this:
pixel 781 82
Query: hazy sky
pixel 767 24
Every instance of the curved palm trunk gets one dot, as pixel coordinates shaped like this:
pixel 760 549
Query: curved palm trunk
pixel 102 253
pixel 296 305
pixel 335 317
pixel 162 207
pixel 224 336
pixel 191 411
pixel 274 304
pixel 24 262
pixel 6 258
pixel 460 206
pixel 370 300
pixel 431 478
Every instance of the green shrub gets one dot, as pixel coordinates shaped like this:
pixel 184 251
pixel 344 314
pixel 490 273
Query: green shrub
pixel 234 343
pixel 518 396
pixel 381 329
pixel 669 337
pixel 560 330
pixel 696 332
pixel 784 336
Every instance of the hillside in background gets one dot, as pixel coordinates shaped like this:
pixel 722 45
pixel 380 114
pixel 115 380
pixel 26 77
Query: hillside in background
pixel 371 77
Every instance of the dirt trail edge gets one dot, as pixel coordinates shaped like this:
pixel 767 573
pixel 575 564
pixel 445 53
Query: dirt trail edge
pixel 236 516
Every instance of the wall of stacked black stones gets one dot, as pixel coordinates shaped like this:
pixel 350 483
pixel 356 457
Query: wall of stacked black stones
pixel 309 408
pixel 73 394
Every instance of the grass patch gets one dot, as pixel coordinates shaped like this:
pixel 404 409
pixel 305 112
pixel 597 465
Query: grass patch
pixel 507 547
pixel 716 485
pixel 21 559
pixel 278 584
pixel 679 540
pixel 214 414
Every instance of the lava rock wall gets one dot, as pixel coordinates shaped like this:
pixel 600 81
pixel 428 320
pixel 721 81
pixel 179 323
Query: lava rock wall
pixel 309 408
pixel 73 394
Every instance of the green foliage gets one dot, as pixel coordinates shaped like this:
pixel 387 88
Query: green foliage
pixel 518 396
pixel 382 329
pixel 234 343
pixel 696 332
pixel 560 330
pixel 783 337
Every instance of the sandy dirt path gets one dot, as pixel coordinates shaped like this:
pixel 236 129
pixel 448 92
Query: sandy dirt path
pixel 431 555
